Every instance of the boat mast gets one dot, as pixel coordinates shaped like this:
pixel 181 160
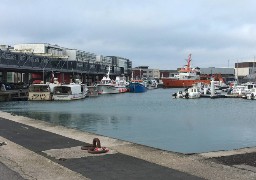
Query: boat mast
pixel 189 60
pixel 108 71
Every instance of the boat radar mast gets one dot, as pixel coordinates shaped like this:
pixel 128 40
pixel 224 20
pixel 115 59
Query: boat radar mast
pixel 189 60
pixel 187 67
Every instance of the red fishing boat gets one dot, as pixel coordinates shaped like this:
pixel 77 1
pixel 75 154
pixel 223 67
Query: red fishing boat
pixel 186 77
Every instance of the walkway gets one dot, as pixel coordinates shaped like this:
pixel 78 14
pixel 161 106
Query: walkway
pixel 38 150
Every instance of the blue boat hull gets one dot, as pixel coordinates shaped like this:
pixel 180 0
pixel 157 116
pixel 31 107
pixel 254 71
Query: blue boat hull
pixel 135 87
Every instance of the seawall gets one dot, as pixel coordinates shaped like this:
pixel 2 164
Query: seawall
pixel 40 150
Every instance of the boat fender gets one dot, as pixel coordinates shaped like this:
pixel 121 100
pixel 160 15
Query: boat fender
pixel 186 95
pixel 252 96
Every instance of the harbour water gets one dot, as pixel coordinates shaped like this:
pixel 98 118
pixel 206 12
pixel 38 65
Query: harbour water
pixel 153 119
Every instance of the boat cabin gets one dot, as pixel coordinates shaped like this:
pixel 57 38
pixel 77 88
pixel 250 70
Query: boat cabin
pixel 70 92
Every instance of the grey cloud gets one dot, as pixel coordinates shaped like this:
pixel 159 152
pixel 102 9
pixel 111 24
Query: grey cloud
pixel 156 33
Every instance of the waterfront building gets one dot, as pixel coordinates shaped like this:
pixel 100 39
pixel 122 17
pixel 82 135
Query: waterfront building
pixel 43 59
pixel 68 54
pixel 228 74
pixel 12 77
pixel 43 49
pixel 121 65
pixel 141 72
pixel 245 71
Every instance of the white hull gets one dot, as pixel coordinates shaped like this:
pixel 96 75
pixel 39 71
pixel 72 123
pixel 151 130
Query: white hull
pixel 68 97
pixel 190 93
pixel 39 96
pixel 121 89
pixel 251 95
pixel 152 87
pixel 107 89
pixel 187 96
pixel 41 92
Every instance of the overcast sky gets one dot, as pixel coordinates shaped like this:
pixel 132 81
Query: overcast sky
pixel 157 33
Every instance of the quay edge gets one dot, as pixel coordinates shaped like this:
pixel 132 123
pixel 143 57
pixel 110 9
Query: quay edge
pixel 17 95
pixel 199 165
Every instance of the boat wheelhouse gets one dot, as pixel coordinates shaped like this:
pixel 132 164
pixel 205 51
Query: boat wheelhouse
pixel 70 91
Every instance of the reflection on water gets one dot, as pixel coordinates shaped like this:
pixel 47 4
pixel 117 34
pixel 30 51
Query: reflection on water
pixel 153 119
pixel 86 121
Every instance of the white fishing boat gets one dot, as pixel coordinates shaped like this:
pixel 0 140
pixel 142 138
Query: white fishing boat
pixel 189 93
pixel 252 94
pixel 70 91
pixel 121 84
pixel 152 84
pixel 107 85
pixel 243 89
pixel 41 92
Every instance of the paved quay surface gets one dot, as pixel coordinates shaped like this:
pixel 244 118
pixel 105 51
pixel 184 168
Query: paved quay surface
pixel 39 150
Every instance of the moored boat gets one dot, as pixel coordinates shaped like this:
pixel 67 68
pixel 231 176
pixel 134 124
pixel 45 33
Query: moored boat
pixel 242 89
pixel 121 84
pixel 152 84
pixel 137 86
pixel 107 85
pixel 41 92
pixel 252 94
pixel 186 78
pixel 70 91
pixel 189 93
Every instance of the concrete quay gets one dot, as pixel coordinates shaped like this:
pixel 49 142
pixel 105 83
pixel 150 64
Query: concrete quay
pixel 11 95
pixel 39 150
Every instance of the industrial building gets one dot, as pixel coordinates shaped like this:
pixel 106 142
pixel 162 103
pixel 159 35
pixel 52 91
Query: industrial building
pixel 228 74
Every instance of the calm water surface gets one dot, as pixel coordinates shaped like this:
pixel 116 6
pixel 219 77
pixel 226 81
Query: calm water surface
pixel 154 119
